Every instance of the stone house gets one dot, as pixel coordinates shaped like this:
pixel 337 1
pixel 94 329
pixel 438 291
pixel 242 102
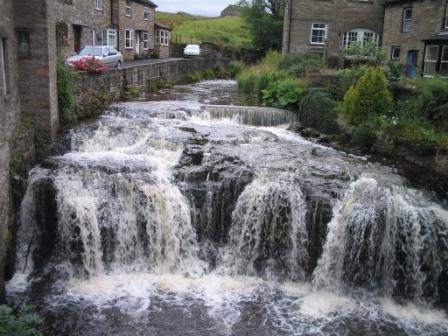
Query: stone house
pixel 326 27
pixel 135 22
pixel 162 42
pixel 127 25
pixel 416 35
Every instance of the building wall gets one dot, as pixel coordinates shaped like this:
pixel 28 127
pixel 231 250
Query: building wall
pixel 340 15
pixel 9 116
pixel 135 22
pixel 427 17
pixel 84 14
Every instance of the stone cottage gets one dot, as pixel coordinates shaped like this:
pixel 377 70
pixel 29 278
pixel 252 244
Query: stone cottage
pixel 416 35
pixel 162 43
pixel 326 27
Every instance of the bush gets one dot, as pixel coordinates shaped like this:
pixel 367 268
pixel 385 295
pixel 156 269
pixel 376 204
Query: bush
pixel 368 98
pixel 209 74
pixel 235 67
pixel 90 64
pixel 317 109
pixel 24 323
pixel 299 65
pixel 219 71
pixel 364 135
pixel 394 70
pixel 66 93
pixel 365 53
pixel 282 93
pixel 346 79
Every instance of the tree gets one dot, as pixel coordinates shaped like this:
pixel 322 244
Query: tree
pixel 265 22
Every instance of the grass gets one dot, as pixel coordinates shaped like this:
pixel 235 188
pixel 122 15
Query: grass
pixel 176 19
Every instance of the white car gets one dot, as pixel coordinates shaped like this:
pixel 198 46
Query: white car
pixel 192 50
pixel 110 56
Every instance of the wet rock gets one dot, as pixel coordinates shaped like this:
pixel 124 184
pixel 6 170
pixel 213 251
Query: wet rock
pixel 309 133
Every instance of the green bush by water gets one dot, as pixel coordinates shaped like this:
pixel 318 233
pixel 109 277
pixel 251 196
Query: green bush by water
pixel 299 65
pixel 66 93
pixel 23 323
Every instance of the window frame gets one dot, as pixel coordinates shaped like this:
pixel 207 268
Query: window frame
pixel 444 47
pixel 432 61
pixel 324 36
pixel 4 66
pixel 107 37
pixel 145 39
pixel 445 18
pixel 128 8
pixel 131 38
pixel 92 37
pixel 146 14
pixel 163 37
pixel 405 21
pixel 99 5
pixel 392 49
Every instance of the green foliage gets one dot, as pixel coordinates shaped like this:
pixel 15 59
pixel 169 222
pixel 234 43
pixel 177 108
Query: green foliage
pixel 281 92
pixel 299 65
pixel 66 93
pixel 346 79
pixel 317 109
pixel 368 98
pixel 264 19
pixel 134 92
pixel 209 74
pixel 235 67
pixel 364 135
pixel 394 69
pixel 24 323
pixel 219 71
pixel 367 53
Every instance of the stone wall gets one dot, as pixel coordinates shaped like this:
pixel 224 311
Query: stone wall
pixel 9 116
pixel 339 15
pixel 94 92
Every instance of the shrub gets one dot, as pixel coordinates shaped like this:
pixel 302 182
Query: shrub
pixel 368 98
pixel 299 65
pixel 282 92
pixel 134 92
pixel 24 323
pixel 346 79
pixel 89 64
pixel 364 135
pixel 235 67
pixel 394 69
pixel 219 71
pixel 66 93
pixel 365 53
pixel 317 109
pixel 209 74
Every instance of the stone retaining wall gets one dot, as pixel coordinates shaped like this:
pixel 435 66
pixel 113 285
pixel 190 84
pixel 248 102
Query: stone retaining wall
pixel 94 92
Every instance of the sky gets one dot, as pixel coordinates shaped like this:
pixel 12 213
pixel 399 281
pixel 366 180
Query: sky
pixel 199 7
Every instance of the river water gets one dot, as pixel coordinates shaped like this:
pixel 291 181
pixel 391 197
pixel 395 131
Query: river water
pixel 164 218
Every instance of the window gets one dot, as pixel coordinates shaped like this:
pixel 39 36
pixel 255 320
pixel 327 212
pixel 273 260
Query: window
pixel 110 37
pixel 359 36
pixel 23 44
pixel 407 19
pixel 92 37
pixel 162 37
pixel 395 53
pixel 444 62
pixel 129 39
pixel 128 9
pixel 145 41
pixel 318 33
pixel 99 4
pixel 4 88
pixel 146 13
pixel 431 54
pixel 445 23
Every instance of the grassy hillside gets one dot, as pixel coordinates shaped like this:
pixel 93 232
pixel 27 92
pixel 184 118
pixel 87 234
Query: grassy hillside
pixel 229 30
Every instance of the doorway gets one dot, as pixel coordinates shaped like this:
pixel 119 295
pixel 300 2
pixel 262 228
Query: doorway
pixel 77 30
pixel 137 42
pixel 411 63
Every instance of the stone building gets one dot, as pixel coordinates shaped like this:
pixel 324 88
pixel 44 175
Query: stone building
pixel 231 10
pixel 135 22
pixel 162 43
pixel 27 89
pixel 416 35
pixel 326 27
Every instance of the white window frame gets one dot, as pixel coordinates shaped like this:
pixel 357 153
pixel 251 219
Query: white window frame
pixel 360 36
pixel 406 21
pixel 163 37
pixel 146 14
pixel 442 61
pixel 4 66
pixel 92 36
pixel 128 8
pixel 99 5
pixel 129 40
pixel 108 36
pixel 324 29
pixel 427 61
pixel 145 41
pixel 392 53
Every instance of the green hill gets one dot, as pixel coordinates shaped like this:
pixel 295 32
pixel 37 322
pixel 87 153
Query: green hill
pixel 187 28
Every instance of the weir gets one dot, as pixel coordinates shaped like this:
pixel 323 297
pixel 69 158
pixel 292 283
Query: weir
pixel 197 225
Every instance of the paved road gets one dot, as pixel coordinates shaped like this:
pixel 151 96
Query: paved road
pixel 130 64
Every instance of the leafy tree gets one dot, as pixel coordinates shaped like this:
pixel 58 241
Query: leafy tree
pixel 265 22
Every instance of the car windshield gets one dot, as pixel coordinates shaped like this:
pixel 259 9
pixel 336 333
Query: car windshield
pixel 91 51
pixel 193 47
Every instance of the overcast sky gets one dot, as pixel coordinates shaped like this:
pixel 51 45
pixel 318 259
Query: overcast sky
pixel 200 7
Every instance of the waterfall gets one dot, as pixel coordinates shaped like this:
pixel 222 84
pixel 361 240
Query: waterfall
pixel 268 234
pixel 249 115
pixel 387 238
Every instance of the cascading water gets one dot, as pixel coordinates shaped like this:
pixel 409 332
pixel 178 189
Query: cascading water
pixel 387 238
pixel 165 218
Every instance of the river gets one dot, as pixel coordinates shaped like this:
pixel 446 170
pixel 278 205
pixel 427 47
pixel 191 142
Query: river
pixel 164 218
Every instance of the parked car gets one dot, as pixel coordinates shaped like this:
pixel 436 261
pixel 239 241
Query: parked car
pixel 110 56
pixel 192 50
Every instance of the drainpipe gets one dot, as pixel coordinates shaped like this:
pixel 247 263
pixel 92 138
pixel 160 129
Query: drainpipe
pixel 287 27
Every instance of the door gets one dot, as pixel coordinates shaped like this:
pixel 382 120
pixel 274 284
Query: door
pixel 411 63
pixel 77 38
pixel 137 42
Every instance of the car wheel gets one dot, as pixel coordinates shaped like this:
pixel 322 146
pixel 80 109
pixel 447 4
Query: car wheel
pixel 119 65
